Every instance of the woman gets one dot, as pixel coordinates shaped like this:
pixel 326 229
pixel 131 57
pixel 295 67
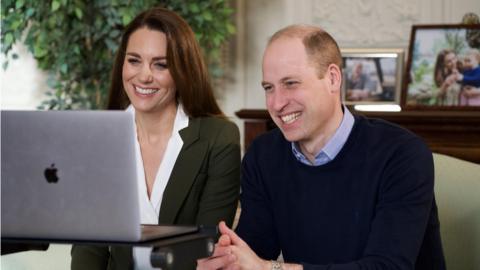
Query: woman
pixel 445 72
pixel 188 155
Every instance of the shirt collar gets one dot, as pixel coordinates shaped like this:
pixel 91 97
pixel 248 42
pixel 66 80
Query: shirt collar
pixel 334 144
pixel 181 118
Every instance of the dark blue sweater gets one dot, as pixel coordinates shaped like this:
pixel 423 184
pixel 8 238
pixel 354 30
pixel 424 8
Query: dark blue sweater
pixel 372 207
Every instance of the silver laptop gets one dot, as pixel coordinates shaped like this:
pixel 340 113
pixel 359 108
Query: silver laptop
pixel 71 175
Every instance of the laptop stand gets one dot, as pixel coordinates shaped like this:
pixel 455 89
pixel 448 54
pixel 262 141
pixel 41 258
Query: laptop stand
pixel 171 253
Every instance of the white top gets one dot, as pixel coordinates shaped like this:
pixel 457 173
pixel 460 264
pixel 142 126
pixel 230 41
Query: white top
pixel 150 208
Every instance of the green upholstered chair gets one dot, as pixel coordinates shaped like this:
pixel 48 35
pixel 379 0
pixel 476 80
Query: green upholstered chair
pixel 457 192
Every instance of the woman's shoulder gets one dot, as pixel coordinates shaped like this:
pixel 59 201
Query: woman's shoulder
pixel 213 126
pixel 214 121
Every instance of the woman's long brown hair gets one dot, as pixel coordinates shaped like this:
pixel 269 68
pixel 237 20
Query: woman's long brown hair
pixel 184 60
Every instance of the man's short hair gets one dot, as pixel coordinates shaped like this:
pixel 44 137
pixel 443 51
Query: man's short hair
pixel 320 46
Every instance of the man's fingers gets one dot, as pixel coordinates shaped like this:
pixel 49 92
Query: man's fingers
pixel 224 240
pixel 236 240
pixel 221 251
pixel 214 263
pixel 232 267
pixel 223 227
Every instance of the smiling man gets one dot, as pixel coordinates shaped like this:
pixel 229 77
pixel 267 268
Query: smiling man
pixel 327 189
pixel 303 101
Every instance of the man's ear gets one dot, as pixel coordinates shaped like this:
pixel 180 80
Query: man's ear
pixel 334 76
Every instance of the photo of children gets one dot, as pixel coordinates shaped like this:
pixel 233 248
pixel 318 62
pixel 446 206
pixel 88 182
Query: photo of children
pixel 443 68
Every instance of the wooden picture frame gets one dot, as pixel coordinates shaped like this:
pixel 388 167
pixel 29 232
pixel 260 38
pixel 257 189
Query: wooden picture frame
pixel 439 68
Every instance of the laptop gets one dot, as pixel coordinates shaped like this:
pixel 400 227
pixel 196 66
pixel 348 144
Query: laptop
pixel 71 175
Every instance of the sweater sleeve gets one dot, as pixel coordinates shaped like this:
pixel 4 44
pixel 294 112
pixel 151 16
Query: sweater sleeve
pixel 256 224
pixel 403 208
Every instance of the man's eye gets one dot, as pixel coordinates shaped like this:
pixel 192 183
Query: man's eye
pixel 291 83
pixel 267 87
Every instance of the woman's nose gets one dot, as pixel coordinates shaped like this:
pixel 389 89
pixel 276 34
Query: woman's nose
pixel 146 74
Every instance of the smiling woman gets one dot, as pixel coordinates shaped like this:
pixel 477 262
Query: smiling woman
pixel 188 154
pixel 146 77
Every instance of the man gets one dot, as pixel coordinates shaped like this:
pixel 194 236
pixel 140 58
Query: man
pixel 359 86
pixel 327 189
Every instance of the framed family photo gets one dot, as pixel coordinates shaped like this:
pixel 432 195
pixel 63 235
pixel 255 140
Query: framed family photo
pixel 443 71
pixel 372 76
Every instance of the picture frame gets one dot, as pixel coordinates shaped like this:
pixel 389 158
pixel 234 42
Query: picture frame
pixel 372 76
pixel 439 68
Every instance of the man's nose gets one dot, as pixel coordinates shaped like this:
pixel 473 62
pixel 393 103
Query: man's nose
pixel 279 100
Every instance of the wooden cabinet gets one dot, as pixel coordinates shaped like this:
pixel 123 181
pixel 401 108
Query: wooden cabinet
pixel 454 133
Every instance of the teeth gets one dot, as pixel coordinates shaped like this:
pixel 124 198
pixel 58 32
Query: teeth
pixel 145 91
pixel 287 119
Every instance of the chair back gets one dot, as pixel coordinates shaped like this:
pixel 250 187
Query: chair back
pixel 457 192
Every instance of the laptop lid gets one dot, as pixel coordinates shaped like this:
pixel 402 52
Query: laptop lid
pixel 69 175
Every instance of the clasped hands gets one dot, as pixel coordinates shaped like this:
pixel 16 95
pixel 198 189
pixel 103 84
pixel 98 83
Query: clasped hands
pixel 232 253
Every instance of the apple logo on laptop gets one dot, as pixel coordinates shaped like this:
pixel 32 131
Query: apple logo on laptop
pixel 51 174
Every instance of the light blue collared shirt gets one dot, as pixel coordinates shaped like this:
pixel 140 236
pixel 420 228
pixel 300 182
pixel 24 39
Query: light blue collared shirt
pixel 333 146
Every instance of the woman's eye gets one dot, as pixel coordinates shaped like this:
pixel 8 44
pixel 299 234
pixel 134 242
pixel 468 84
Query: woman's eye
pixel 160 65
pixel 133 61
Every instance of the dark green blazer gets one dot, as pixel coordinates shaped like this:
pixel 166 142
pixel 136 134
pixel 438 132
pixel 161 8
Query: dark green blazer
pixel 203 188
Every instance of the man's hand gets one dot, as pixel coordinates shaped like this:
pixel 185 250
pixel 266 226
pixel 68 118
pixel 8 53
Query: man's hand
pixel 245 257
pixel 232 253
pixel 222 256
